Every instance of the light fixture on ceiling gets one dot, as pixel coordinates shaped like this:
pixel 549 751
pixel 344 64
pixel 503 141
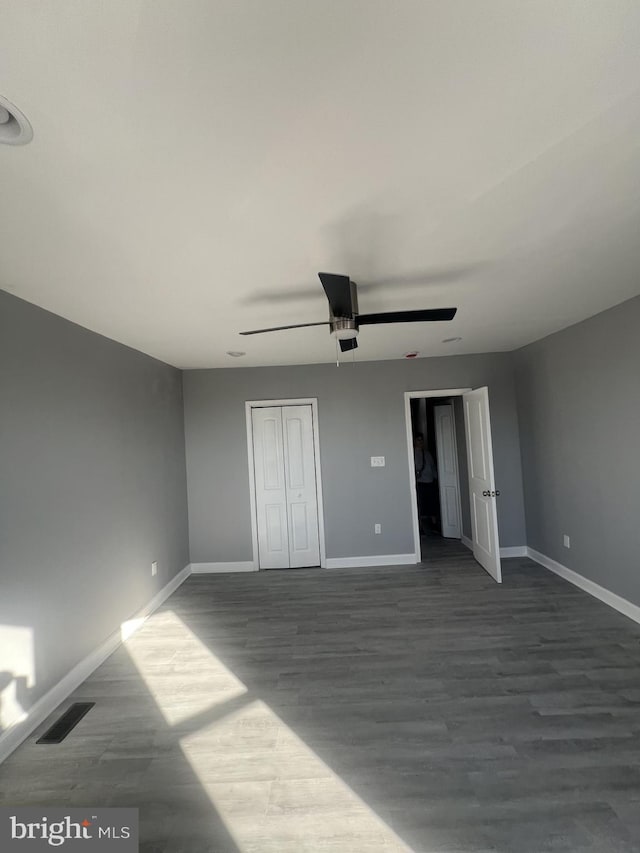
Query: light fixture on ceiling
pixel 451 340
pixel 15 128
pixel 234 353
pixel 344 328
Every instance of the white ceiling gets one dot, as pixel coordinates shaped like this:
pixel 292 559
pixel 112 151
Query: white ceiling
pixel 195 159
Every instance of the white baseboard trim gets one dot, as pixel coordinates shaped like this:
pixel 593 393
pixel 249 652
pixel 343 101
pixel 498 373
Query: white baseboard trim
pixel 627 608
pixel 40 710
pixel 215 568
pixel 375 560
pixel 466 541
pixel 514 551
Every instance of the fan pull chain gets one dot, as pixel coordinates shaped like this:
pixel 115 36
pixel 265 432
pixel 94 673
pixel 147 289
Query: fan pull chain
pixel 337 354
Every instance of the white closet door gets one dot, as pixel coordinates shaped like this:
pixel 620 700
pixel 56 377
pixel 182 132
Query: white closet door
pixel 271 493
pixel 447 471
pixel 301 492
pixel 285 483
pixel 482 484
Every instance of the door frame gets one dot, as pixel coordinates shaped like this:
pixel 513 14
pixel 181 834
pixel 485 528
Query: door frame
pixel 408 396
pixel 262 404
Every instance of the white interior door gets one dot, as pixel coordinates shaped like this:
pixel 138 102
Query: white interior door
pixel 448 481
pixel 271 493
pixel 301 492
pixel 285 484
pixel 484 519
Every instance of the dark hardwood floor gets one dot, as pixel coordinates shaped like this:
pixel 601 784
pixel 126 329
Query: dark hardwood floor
pixel 407 708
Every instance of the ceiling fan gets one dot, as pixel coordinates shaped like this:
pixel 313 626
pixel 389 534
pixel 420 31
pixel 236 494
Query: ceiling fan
pixel 344 319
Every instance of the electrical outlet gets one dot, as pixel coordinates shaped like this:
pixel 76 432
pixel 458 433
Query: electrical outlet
pixel 377 461
pixel 378 528
pixel 154 568
pixel 566 541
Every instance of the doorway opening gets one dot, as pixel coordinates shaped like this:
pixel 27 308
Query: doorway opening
pixel 440 462
pixel 451 474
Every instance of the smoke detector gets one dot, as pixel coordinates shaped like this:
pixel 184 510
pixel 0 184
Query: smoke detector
pixel 14 125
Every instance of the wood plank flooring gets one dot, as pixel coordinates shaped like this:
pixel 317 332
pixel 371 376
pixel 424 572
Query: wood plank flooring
pixel 407 708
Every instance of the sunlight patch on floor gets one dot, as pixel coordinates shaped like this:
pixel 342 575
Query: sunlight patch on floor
pixel 168 669
pixel 273 793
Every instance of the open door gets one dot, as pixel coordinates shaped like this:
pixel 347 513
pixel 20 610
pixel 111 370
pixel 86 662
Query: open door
pixel 482 486
pixel 447 472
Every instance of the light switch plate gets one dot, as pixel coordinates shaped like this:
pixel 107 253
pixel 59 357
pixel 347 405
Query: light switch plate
pixel 377 461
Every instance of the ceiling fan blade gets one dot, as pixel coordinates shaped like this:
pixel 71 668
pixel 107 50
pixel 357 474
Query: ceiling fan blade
pixel 340 292
pixel 280 328
pixel 348 344
pixel 407 316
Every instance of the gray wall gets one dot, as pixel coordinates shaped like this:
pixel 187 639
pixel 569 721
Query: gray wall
pixel 361 414
pixel 579 408
pixel 93 486
pixel 463 471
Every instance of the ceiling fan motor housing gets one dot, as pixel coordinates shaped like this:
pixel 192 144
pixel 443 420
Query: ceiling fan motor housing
pixel 344 328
